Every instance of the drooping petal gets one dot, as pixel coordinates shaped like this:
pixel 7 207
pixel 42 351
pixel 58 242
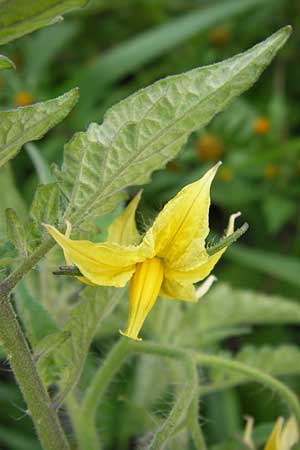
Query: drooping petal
pixel 274 439
pixel 123 229
pixel 68 260
pixel 176 291
pixel 105 263
pixel 143 292
pixel 289 436
pixel 203 269
pixel 183 222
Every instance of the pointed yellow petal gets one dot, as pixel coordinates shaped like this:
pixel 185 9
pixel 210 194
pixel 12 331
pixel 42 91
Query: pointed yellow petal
pixel 183 223
pixel 274 440
pixel 105 263
pixel 203 269
pixel 144 289
pixel 174 290
pixel 123 229
pixel 68 260
pixel 289 435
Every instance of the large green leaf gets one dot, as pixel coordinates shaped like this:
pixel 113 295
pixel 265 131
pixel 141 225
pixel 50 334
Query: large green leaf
pixel 130 55
pixel 283 267
pixel 143 132
pixel 29 123
pixel 64 363
pixel 18 18
pixel 225 306
pixel 223 312
pixel 37 320
pixel 283 360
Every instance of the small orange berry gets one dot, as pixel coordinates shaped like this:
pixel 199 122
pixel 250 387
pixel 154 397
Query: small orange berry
pixel 209 147
pixel 262 126
pixel 225 174
pixel 220 36
pixel 271 171
pixel 23 98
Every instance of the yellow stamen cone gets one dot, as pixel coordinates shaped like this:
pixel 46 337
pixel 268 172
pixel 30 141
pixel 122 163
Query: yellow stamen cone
pixel 143 292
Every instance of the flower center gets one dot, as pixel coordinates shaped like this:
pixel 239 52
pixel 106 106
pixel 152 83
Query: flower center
pixel 143 292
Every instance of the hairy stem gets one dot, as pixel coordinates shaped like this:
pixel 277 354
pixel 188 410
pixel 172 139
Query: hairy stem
pixel 272 383
pixel 86 432
pixel 38 401
pixel 180 408
pixel 12 280
pixel 194 425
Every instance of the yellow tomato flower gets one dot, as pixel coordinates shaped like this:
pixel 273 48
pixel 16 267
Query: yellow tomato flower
pixel 167 261
pixel 283 438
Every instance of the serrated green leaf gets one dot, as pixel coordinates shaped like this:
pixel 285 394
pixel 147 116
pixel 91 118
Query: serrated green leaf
pixel 17 20
pixel 283 360
pixel 223 312
pixel 10 199
pixel 16 232
pixel 38 322
pixel 65 363
pixel 143 132
pixel 8 253
pixel 45 208
pixel 225 306
pixel 45 205
pixel 30 123
pixel 6 63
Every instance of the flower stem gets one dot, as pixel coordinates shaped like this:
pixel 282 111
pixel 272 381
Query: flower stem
pixel 38 401
pixel 255 374
pixel 180 408
pixel 194 426
pixel 12 280
pixel 85 430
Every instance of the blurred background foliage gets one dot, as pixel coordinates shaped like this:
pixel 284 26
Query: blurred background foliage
pixel 110 49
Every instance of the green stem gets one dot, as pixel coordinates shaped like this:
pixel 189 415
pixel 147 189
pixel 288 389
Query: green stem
pixel 38 401
pixel 275 385
pixel 180 408
pixel 12 280
pixel 86 431
pixel 194 425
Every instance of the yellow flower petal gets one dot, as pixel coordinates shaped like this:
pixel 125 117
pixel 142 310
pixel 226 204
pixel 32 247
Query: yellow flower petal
pixel 274 440
pixel 144 289
pixel 289 435
pixel 174 290
pixel 104 264
pixel 203 269
pixel 182 225
pixel 68 260
pixel 123 229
